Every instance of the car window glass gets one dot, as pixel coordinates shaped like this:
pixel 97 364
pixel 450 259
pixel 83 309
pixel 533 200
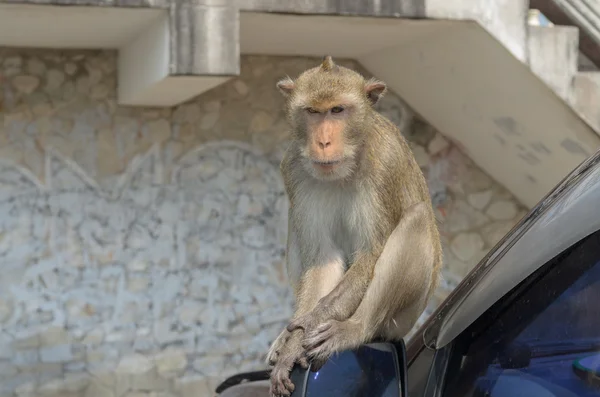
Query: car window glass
pixel 418 372
pixel 546 343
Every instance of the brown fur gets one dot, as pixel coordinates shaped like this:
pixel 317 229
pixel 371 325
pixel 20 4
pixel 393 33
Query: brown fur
pixel 364 253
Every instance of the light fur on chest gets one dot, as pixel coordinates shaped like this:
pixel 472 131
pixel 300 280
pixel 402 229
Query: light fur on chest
pixel 333 219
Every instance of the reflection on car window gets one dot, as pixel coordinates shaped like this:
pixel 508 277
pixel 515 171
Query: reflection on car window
pixel 545 343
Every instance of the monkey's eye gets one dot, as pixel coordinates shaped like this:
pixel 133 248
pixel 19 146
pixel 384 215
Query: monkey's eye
pixel 337 109
pixel 311 110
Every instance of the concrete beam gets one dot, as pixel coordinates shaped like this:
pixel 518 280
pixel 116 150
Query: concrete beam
pixel 204 39
pixel 557 13
pixel 144 63
pixel 586 97
pixel 182 54
pixel 55 26
pixel 95 3
pixel 166 56
pixel 199 42
pixel 553 56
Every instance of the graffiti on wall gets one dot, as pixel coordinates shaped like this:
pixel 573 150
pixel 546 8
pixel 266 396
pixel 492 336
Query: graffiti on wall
pixel 191 259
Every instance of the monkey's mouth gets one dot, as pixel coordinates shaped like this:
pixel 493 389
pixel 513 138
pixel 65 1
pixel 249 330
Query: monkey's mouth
pixel 326 165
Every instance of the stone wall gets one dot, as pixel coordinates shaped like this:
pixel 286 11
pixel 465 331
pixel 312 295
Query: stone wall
pixel 142 249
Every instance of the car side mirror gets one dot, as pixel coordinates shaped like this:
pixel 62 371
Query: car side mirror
pixel 374 370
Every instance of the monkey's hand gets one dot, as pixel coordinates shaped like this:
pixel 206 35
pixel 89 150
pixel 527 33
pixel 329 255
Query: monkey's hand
pixel 290 354
pixel 330 337
pixel 276 347
pixel 309 321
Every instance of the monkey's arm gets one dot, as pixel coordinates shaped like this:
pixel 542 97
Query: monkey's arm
pixel 346 297
pixel 406 274
pixel 287 349
pixel 309 286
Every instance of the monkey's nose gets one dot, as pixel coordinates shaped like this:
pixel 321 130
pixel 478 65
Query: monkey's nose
pixel 324 143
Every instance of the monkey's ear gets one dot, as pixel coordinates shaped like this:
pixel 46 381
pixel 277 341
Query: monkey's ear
pixel 375 89
pixel 286 86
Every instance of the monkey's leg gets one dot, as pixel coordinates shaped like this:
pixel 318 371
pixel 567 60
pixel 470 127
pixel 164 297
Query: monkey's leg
pixel 401 285
pixel 294 268
pixel 315 283
pixel 290 353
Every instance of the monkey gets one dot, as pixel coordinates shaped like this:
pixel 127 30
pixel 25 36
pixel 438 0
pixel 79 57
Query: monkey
pixel 363 248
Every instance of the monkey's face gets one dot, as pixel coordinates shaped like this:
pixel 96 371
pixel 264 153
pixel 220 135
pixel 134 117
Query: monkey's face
pixel 328 107
pixel 329 134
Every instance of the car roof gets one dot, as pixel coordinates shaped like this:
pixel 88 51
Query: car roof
pixel 570 212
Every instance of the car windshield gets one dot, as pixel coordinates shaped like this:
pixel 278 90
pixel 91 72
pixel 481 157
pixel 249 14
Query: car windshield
pixel 544 343
pixel 571 323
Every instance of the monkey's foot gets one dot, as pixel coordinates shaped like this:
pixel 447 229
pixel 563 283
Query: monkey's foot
pixel 330 337
pixel 281 384
pixel 276 347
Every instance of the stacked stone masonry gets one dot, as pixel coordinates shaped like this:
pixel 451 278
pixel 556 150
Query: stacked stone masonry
pixel 142 250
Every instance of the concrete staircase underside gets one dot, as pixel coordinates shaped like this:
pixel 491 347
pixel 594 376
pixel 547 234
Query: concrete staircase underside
pixel 509 94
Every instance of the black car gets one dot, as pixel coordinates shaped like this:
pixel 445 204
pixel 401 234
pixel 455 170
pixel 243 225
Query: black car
pixel 525 322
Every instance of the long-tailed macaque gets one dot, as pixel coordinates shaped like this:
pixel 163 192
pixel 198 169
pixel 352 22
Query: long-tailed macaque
pixel 363 250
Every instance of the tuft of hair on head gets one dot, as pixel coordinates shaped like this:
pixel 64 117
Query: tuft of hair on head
pixel 327 64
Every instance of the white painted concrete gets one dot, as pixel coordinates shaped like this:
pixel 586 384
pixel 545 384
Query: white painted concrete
pixel 555 68
pixel 507 120
pixel 348 37
pixel 144 62
pixel 46 26
pixel 140 34
pixel 144 78
pixel 471 87
pixel 172 90
pixel 460 78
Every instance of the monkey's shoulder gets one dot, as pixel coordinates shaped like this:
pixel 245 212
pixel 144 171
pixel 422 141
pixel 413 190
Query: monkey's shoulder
pixel 291 171
pixel 384 125
pixel 291 158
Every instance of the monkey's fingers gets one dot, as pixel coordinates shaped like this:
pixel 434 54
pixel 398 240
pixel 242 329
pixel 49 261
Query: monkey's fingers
pixel 276 346
pixel 272 356
pixel 319 344
pixel 321 353
pixel 323 327
pixel 279 391
pixel 318 335
pixel 301 322
pixel 281 384
pixel 272 359
pixel 303 361
pixel 289 386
